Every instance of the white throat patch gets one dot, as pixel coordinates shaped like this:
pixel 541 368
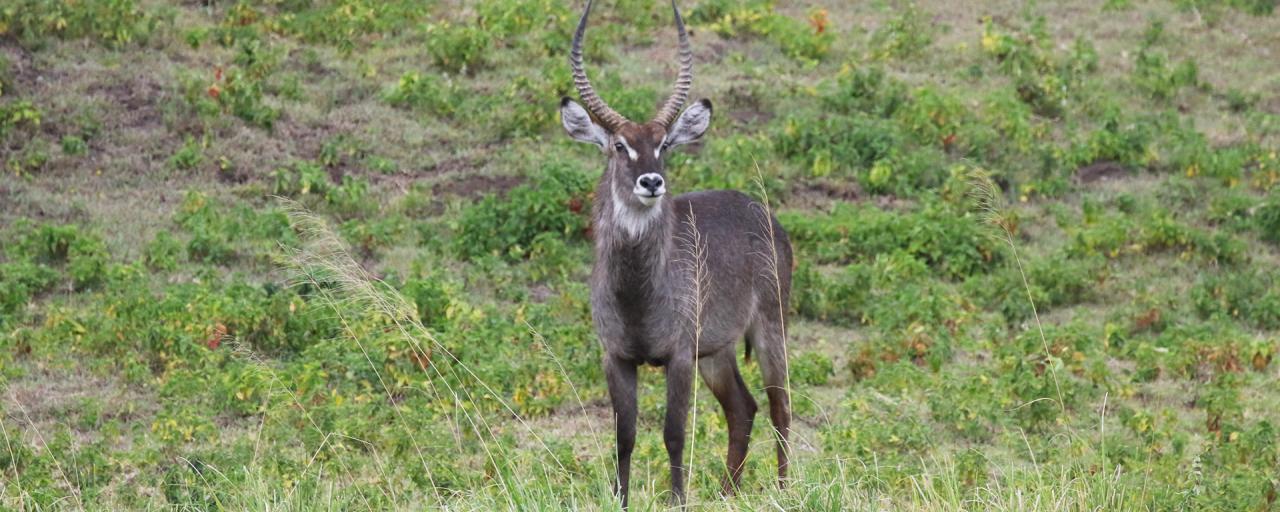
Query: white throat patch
pixel 634 222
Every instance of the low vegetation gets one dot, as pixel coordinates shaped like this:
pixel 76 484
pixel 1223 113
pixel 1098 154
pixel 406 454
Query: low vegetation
pixel 333 254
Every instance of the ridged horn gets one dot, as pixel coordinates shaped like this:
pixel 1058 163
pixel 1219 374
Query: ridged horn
pixel 684 79
pixel 607 116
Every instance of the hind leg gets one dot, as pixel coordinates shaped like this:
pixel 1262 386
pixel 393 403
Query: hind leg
pixel 769 339
pixel 720 372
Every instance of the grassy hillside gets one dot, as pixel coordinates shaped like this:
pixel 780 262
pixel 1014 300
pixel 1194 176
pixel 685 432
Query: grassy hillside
pixel 331 254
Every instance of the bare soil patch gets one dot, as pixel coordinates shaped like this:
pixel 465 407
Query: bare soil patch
pixel 1101 171
pixel 477 185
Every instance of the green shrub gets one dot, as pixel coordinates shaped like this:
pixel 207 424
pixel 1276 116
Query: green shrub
pixel 1153 74
pixel 113 23
pixel 870 428
pixel 458 48
pixel 507 227
pixel 311 184
pixel 87 263
pixel 301 179
pixel 188 156
pixel 163 252
pixel 211 233
pixel 906 35
pixel 256 59
pixel 729 163
pixel 1119 235
pixel 19 283
pixel 843 146
pixel 864 89
pixel 525 111
pixel 370 236
pixel 431 297
pixel 17 113
pixel 1116 139
pixel 74 145
pixel 348 23
pixel 840 297
pixel 1212 9
pixel 810 369
pixel 1234 210
pixel 231 91
pixel 429 93
pixel 1046 384
pixel 30 160
pixel 1055 281
pixel 1250 295
pixel 970 404
pixel 808 42
pixel 1045 80
pixel 243 98
pixel 1267 219
pixel 507 19
pixel 6 78
pixel 36 253
pixel 952 243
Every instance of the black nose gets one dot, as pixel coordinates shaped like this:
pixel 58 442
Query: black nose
pixel 651 183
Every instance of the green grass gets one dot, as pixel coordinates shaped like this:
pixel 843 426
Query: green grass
pixel 332 255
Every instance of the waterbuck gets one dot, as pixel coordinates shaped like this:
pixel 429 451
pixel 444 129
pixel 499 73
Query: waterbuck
pixel 679 280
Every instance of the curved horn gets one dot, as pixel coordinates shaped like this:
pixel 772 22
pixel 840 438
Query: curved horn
pixel 684 80
pixel 610 118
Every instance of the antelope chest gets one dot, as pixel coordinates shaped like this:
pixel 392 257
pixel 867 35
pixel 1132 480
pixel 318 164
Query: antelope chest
pixel 638 324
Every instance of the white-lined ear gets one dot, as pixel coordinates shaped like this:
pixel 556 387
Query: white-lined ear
pixel 691 124
pixel 577 122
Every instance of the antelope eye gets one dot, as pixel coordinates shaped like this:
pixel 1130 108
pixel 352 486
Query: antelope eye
pixel 665 146
pixel 619 147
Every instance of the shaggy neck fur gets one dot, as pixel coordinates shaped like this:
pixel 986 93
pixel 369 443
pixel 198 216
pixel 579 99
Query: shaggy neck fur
pixel 633 248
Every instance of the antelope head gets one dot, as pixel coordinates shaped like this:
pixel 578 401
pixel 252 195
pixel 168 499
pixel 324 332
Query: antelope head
pixel 634 151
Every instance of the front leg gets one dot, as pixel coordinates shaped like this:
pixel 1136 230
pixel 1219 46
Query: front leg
pixel 621 375
pixel 679 381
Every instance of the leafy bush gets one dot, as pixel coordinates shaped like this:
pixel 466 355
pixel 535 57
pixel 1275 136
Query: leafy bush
pixel 347 23
pixel 555 203
pixel 1047 383
pixel 954 244
pixel 807 42
pixel 211 233
pixel 1044 79
pixel 221 234
pixel 233 91
pixel 428 93
pixel 840 297
pixel 114 23
pixel 431 297
pixel 729 163
pixel 458 48
pixel 1153 74
pixel 40 257
pixel 370 236
pixel 163 252
pixel 1248 294
pixel 864 89
pixel 17 113
pixel 810 369
pixel 19 283
pixel 1054 281
pixel 73 145
pixel 1267 219
pixel 188 156
pixel 6 77
pixel 1115 236
pixel 311 184
pixel 903 36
